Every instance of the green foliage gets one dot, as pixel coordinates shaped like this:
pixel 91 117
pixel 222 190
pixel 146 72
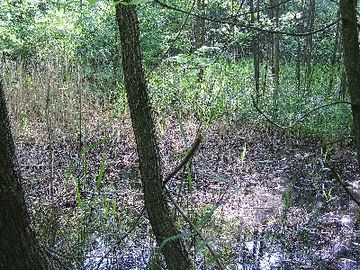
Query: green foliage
pixel 72 48
pixel 288 197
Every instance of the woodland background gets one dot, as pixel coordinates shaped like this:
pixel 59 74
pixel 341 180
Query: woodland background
pixel 274 183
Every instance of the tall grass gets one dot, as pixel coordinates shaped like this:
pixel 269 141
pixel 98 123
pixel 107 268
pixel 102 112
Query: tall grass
pixel 55 94
pixel 50 91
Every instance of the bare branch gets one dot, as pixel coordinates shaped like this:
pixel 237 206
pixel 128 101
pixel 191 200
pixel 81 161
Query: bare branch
pixel 331 142
pixel 256 10
pixel 251 27
pixel 345 186
pixel 189 155
pixel 300 119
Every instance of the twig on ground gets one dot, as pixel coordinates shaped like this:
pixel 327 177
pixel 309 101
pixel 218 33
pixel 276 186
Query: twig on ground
pixel 331 142
pixel 345 186
pixel 189 155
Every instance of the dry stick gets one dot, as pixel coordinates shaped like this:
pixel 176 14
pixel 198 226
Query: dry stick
pixel 348 191
pixel 79 85
pixel 190 154
pixel 195 229
pixel 331 142
pixel 255 28
pixel 265 115
pixel 50 141
pixel 256 10
pixel 318 108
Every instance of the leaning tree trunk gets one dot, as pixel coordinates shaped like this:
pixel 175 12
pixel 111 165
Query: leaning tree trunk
pixel 161 222
pixel 349 32
pixel 18 247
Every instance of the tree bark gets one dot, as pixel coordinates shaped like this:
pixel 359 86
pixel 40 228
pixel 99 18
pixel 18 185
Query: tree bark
pixel 334 58
pixel 275 51
pixel 349 32
pixel 18 247
pixel 276 47
pixel 255 49
pixel 300 28
pixel 199 26
pixel 309 45
pixel 163 226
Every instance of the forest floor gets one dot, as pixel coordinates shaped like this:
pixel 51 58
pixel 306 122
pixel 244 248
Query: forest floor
pixel 275 200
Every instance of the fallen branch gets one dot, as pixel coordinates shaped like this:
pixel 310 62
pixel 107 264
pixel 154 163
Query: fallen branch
pixel 331 142
pixel 189 155
pixel 345 186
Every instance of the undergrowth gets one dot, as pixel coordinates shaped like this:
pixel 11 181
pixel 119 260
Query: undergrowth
pixel 61 93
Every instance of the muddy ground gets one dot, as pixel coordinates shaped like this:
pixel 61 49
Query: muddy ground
pixel 276 200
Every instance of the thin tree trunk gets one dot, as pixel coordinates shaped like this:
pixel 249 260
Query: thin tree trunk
pixel 18 247
pixel 275 54
pixel 309 45
pixel 299 53
pixel 255 51
pixel 276 48
pixel 199 26
pixel 199 34
pixel 334 57
pixel 349 32
pixel 161 222
pixel 298 67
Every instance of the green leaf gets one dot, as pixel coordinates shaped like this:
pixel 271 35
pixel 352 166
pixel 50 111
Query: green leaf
pixel 79 201
pixel 115 3
pixel 182 130
pixel 174 237
pixel 202 245
pixel 92 2
pixel 205 218
pixel 100 177
pixel 137 2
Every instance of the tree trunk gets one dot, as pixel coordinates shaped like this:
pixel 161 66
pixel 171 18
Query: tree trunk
pixel 199 26
pixel 299 52
pixel 255 49
pixel 309 45
pixel 199 34
pixel 275 53
pixel 18 247
pixel 276 47
pixel 334 58
pixel 161 222
pixel 349 32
